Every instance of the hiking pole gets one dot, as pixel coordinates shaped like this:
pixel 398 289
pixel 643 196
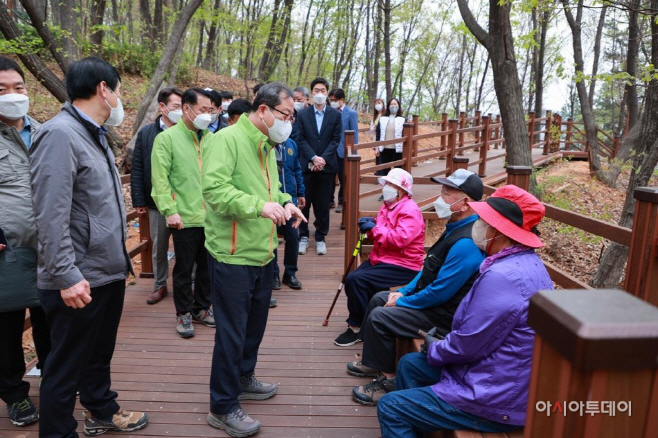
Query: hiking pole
pixel 342 281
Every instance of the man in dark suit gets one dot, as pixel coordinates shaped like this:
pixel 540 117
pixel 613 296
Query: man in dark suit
pixel 318 136
pixel 350 122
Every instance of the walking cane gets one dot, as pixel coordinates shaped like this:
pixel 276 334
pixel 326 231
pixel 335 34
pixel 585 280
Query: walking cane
pixel 342 282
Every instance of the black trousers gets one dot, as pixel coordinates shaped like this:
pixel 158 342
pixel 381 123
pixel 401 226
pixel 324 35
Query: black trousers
pixel 291 251
pixel 319 186
pixel 83 343
pixel 383 324
pixel 362 284
pixel 341 180
pixel 388 156
pixel 189 249
pixel 241 300
pixel 12 365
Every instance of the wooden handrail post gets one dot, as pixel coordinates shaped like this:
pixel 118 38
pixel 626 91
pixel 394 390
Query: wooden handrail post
pixel 147 254
pixel 351 204
pixel 462 125
pixel 547 135
pixel 531 128
pixel 519 176
pixel 482 168
pixel 567 139
pixel 349 149
pixel 459 163
pixel 415 132
pixel 408 149
pixel 452 142
pixel 477 136
pixel 642 265
pixel 497 134
pixel 558 140
pixel 594 351
pixel 444 127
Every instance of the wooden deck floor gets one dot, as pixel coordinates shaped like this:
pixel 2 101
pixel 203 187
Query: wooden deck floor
pixel 154 370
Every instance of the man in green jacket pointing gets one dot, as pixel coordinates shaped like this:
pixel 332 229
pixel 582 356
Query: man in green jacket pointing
pixel 241 190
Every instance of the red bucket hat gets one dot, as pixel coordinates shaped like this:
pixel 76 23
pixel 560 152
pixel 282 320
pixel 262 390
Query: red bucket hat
pixel 514 212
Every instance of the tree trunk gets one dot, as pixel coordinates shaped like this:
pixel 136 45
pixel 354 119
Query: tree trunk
pixel 97 16
pixel 539 72
pixel 115 12
pixel 270 44
pixel 386 6
pixel 500 46
pixel 597 53
pixel 158 25
pixel 645 159
pixel 585 108
pixel 212 37
pixel 55 12
pixel 147 23
pixel 168 53
pixel 460 77
pixel 199 54
pixel 48 39
pixel 71 30
pixel 631 62
pixel 478 102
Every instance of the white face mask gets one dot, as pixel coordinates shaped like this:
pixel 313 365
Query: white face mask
pixel 201 121
pixel 393 109
pixel 379 106
pixel 14 106
pixel 319 98
pixel 335 105
pixel 299 106
pixel 213 118
pixel 174 115
pixel 479 234
pixel 279 131
pixel 389 193
pixel 442 208
pixel 225 105
pixel 116 114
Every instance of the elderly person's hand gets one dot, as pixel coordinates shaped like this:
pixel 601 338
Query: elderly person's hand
pixel 366 224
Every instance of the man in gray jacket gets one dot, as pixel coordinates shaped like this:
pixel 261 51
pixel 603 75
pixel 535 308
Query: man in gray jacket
pixel 83 262
pixel 17 226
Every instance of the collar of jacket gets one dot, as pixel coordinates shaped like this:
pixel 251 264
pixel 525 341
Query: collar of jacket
pixel 254 134
pixel 94 130
pixel 181 125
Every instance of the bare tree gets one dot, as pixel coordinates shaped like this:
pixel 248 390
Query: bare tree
pixel 644 142
pixel 38 23
pixel 591 132
pixel 499 43
pixel 168 53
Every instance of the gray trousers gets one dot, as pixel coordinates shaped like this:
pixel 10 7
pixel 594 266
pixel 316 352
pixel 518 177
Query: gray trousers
pixel 160 233
pixel 383 324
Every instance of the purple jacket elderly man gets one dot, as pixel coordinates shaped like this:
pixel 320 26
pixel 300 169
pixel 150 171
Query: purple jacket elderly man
pixel 480 373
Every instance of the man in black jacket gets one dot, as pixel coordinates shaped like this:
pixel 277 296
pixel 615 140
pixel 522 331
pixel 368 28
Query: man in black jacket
pixel 169 103
pixel 318 136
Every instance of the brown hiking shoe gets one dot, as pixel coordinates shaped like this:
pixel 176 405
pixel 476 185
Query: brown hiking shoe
pixel 122 421
pixel 157 295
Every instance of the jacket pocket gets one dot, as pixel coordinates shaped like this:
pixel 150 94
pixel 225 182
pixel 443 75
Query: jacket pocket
pixel 7 171
pixel 99 235
pixel 80 234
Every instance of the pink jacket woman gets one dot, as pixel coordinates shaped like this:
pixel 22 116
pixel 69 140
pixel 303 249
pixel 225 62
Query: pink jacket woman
pixel 399 233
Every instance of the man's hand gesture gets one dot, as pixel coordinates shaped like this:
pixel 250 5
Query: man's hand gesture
pixel 295 212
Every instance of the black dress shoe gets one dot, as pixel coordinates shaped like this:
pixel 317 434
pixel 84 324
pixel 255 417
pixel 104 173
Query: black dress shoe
pixel 276 283
pixel 292 282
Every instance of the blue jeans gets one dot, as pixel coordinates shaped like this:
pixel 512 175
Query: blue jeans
pixel 414 409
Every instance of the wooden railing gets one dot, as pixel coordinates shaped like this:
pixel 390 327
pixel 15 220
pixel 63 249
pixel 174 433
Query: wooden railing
pixel 642 266
pixel 145 245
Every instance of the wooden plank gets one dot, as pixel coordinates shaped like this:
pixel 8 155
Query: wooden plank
pixel 598 227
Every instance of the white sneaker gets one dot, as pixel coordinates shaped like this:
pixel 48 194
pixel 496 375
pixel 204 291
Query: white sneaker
pixel 320 248
pixel 303 245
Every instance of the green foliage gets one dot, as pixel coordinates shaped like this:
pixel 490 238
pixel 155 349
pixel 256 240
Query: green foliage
pixel 131 58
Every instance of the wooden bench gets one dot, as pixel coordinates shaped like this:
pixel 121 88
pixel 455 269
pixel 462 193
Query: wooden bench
pixel 405 346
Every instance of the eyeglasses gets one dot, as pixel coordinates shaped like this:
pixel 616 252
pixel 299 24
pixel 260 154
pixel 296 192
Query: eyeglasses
pixel 286 117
